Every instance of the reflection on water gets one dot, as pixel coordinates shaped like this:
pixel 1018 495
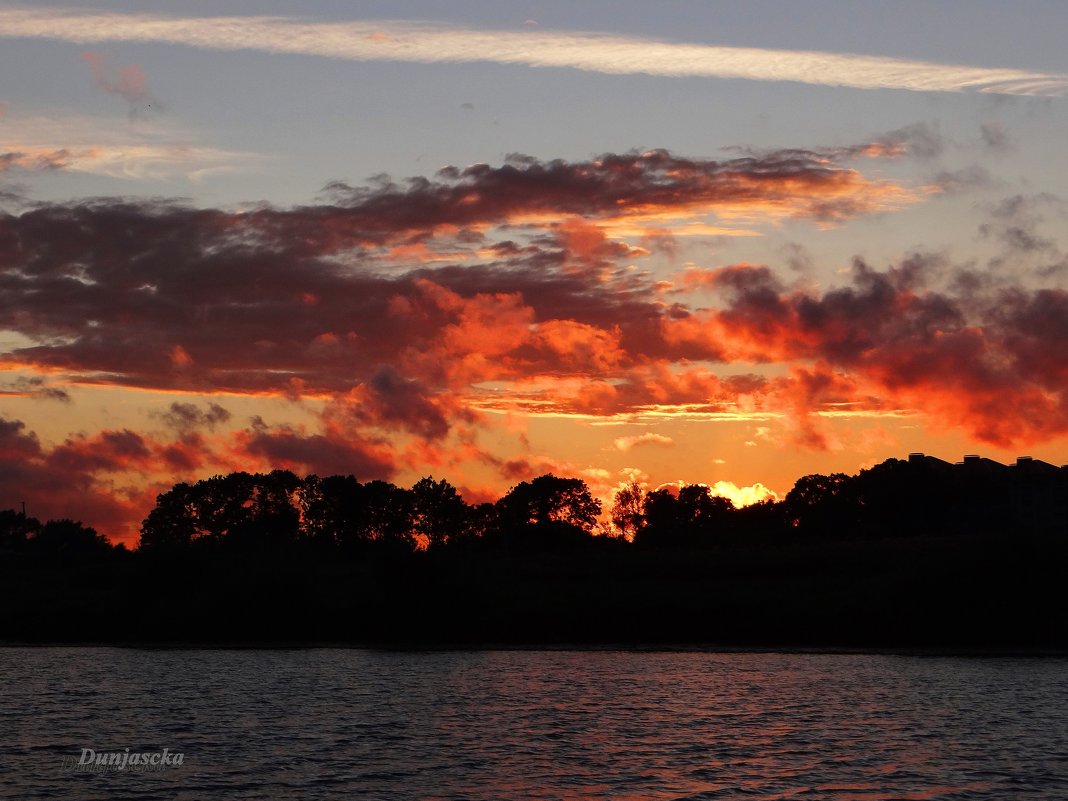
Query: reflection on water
pixel 535 724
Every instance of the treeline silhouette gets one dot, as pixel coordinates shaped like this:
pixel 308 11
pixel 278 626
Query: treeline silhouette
pixel 339 515
pixel 920 497
pixel 22 536
pixel 907 553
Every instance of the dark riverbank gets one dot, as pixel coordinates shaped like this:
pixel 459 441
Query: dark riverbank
pixel 1002 594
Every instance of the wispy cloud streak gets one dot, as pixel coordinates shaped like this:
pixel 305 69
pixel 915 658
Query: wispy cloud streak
pixel 388 40
pixel 146 151
pixel 134 161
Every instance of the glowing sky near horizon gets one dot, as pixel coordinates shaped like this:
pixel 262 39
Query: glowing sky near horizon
pixel 728 243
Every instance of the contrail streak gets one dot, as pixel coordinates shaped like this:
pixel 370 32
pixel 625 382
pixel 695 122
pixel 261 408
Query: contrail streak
pixel 425 43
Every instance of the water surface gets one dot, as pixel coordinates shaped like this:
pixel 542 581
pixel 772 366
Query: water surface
pixel 342 724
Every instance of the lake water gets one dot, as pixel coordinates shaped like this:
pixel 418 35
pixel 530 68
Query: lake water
pixel 359 724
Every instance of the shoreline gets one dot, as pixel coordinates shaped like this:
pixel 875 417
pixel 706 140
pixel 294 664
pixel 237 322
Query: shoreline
pixel 991 651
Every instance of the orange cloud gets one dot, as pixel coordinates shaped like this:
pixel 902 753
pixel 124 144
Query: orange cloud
pixel 742 496
pixel 127 81
pixel 346 305
pixel 626 443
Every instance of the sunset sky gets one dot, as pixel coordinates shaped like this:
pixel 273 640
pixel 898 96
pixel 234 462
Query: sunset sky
pixel 721 242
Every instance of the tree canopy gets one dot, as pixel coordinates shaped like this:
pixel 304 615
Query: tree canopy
pixel 279 512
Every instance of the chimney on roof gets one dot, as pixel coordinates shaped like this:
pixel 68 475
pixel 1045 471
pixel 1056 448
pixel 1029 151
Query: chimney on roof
pixel 1023 460
pixel 971 458
pixel 916 457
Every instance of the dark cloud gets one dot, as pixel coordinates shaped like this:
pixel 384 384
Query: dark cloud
pixel 35 387
pixel 992 360
pixel 401 399
pixel 602 187
pixel 109 479
pixel 965 179
pixel 186 417
pixel 33 160
pixel 72 479
pixel 798 258
pixel 13 196
pixel 1021 207
pixel 160 295
pixel 108 451
pixel 398 304
pixel 1017 223
pixel 994 137
pixel 922 140
pixel 330 453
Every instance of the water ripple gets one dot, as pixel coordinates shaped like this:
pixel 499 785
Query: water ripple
pixel 483 726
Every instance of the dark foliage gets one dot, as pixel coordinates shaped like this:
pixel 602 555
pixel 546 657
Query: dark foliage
pixel 907 553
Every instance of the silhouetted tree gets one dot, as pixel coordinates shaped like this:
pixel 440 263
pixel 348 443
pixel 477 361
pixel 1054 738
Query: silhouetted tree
pixel 823 506
pixel 660 512
pixel 701 512
pixel 15 529
pixel 69 538
pixel 271 518
pixel 242 509
pixel 438 511
pixel 758 521
pixel 221 504
pixel 389 515
pixel 894 498
pixel 548 511
pixel 209 510
pixel 898 496
pixel 172 522
pixel 691 516
pixel 334 513
pixel 549 498
pixel 482 525
pixel 627 514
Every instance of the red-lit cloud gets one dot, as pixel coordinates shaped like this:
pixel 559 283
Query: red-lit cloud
pixel 157 295
pixel 74 479
pixel 412 312
pixel 994 363
pixel 127 81
pixel 110 478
